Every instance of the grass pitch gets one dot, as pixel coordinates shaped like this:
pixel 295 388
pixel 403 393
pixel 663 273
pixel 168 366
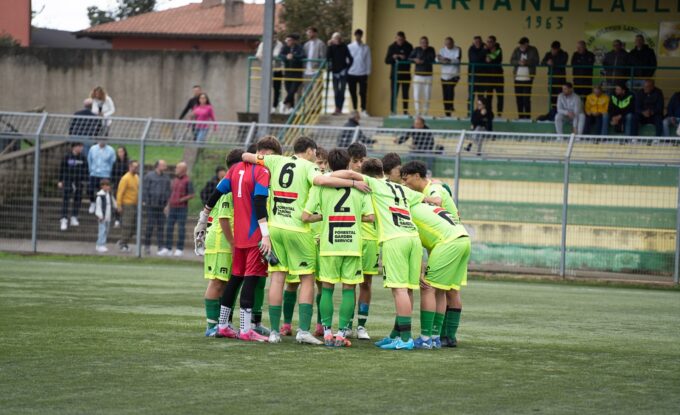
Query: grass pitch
pixel 101 336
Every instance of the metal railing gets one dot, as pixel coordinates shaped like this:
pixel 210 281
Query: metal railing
pixel 554 204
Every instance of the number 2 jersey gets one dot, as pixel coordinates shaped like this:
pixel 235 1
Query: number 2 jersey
pixel 245 181
pixel 342 210
pixel 436 225
pixel 392 203
pixel 291 181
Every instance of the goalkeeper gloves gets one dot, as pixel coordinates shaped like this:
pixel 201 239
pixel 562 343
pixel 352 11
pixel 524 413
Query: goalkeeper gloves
pixel 199 233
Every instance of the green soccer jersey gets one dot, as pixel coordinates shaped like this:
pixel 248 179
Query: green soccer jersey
pixel 437 190
pixel 392 203
pixel 436 225
pixel 215 242
pixel 342 210
pixel 291 180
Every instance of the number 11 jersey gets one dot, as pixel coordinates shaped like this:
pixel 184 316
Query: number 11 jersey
pixel 392 204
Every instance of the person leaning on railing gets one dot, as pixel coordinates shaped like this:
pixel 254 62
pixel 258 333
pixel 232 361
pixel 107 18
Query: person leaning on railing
pixel 582 61
pixel 476 70
pixel 621 111
pixel 399 51
pixel 597 105
pixel 556 60
pixel 524 59
pixel 495 79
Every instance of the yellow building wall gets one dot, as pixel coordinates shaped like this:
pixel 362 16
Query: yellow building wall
pixel 542 21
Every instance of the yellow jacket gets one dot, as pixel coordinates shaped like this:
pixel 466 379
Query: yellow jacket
pixel 127 189
pixel 595 104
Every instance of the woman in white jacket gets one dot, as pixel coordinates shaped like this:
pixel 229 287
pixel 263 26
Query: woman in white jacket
pixel 102 105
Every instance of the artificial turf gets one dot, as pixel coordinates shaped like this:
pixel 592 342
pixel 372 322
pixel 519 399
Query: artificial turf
pixel 81 335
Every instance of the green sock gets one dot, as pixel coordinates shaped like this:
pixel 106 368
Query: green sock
pixel 426 322
pixel 212 311
pixel 404 323
pixel 395 330
pixel 452 321
pixel 275 317
pixel 289 299
pixel 318 308
pixel 259 299
pixel 437 324
pixel 326 306
pixel 444 330
pixel 305 315
pixel 347 308
pixel 363 314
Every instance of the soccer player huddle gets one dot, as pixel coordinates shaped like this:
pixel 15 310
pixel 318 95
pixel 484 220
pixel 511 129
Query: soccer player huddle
pixel 323 219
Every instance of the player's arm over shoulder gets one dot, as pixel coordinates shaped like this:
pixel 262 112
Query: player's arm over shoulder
pixel 413 197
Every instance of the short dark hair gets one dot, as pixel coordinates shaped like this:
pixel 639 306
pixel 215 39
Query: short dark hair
pixel 555 45
pixel 356 151
pixel 390 161
pixel 252 148
pixel 338 159
pixel 569 85
pixel 401 34
pixel 492 37
pixel 269 142
pixel 477 37
pixel 358 32
pixel 313 29
pixel 321 153
pixel 196 86
pixel 76 144
pixel 104 182
pixel 222 168
pixel 133 161
pixel 372 167
pixel 303 143
pixel 414 167
pixel 425 38
pixel 524 40
pixel 233 157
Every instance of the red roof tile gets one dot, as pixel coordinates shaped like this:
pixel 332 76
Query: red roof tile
pixel 190 21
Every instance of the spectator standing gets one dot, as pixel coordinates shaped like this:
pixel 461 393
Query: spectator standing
pixel 649 107
pixel 102 105
pixel 582 61
pixel 672 119
pixel 85 124
pixel 423 56
pixel 72 173
pixel 597 105
pixel 621 110
pixel 105 206
pixel 192 102
pixel 155 197
pixel 556 60
pixel 292 55
pixel 477 70
pixel 357 75
pixel 340 60
pixel 643 60
pixel 211 184
pixel 315 52
pixel 126 199
pixel 449 56
pixel 203 112
pixel 100 161
pixel 569 109
pixel 615 65
pixel 524 59
pixel 178 205
pixel 120 167
pixel 495 80
pixel 399 51
pixel 277 69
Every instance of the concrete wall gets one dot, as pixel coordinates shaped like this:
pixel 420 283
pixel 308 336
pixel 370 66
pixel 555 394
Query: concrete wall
pixel 141 83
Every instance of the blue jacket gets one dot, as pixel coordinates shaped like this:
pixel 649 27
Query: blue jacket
pixel 674 106
pixel 100 160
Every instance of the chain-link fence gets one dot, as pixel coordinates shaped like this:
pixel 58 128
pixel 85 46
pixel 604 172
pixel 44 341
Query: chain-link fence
pixel 566 205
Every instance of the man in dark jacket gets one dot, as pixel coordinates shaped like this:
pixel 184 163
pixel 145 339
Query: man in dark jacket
pixel 292 55
pixel 422 141
pixel 582 61
pixel 615 65
pixel 156 187
pixel 643 59
pixel 524 60
pixel 85 127
pixel 211 184
pixel 477 70
pixel 495 79
pixel 192 102
pixel 72 172
pixel 347 136
pixel 670 123
pixel 399 51
pixel 621 110
pixel 556 60
pixel 339 60
pixel 649 107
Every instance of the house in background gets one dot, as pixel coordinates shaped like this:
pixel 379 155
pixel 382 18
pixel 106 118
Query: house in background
pixel 15 20
pixel 212 25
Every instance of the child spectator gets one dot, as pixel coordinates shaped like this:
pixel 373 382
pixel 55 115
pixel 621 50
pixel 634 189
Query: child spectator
pixel 105 205
pixel 203 112
pixel 72 173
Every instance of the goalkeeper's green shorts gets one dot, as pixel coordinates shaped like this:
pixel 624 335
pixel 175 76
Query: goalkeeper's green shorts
pixel 217 265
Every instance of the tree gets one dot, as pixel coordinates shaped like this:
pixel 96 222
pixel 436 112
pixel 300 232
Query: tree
pixel 7 41
pixel 126 8
pixel 328 16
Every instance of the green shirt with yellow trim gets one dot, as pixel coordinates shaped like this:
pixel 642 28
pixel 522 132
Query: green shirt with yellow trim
pixel 436 225
pixel 215 241
pixel 392 203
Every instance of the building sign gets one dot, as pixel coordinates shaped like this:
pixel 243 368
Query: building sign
pixel 600 35
pixel 555 6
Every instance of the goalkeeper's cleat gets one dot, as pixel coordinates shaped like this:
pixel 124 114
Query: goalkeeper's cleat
pixel 319 330
pixel 342 341
pixel 63 224
pixel 252 336
pixel 211 331
pixel 307 338
pixel 362 333
pixel 226 332
pixel 383 341
pixel 260 329
pixel 329 340
pixel 274 337
pixel 436 342
pixel 421 343
pixel 74 221
pixel 286 329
